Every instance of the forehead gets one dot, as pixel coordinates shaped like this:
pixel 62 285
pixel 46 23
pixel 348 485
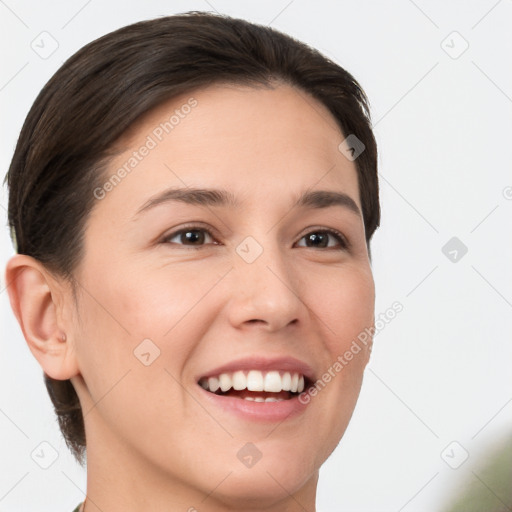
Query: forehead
pixel 260 143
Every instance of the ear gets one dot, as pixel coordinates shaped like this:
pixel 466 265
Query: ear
pixel 36 299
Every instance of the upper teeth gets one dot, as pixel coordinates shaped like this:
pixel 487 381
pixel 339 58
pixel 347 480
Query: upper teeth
pixel 254 380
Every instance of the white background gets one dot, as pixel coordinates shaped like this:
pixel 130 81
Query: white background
pixel 440 371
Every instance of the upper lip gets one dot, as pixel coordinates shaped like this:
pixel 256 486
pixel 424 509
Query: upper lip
pixel 287 364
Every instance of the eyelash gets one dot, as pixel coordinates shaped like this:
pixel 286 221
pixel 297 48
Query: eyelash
pixel 344 245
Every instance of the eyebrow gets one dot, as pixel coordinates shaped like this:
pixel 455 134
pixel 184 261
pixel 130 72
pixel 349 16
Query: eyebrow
pixel 225 198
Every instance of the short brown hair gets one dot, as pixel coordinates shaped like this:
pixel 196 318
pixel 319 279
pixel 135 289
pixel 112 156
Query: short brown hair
pixel 99 92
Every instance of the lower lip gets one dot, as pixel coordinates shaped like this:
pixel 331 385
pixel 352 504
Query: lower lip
pixel 257 411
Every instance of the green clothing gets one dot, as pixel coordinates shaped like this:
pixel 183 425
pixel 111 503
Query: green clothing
pixel 77 508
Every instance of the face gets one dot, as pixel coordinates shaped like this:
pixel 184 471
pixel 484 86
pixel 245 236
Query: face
pixel 177 288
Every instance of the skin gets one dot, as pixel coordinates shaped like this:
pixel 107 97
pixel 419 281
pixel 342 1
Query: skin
pixel 152 442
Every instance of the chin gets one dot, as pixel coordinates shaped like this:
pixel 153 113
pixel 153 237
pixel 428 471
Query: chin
pixel 263 485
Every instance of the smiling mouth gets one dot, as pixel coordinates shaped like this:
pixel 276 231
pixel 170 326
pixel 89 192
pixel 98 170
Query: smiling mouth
pixel 255 385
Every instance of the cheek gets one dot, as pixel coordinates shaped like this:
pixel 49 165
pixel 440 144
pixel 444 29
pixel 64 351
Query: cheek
pixel 345 303
pixel 117 321
pixel 156 303
pixel 132 318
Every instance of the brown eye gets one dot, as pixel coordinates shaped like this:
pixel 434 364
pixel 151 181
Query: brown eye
pixel 192 236
pixel 320 239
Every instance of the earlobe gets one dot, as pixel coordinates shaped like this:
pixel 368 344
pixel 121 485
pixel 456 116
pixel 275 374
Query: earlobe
pixel 34 294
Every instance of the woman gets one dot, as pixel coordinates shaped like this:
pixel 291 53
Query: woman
pixel 192 200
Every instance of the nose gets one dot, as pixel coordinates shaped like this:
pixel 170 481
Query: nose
pixel 265 291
